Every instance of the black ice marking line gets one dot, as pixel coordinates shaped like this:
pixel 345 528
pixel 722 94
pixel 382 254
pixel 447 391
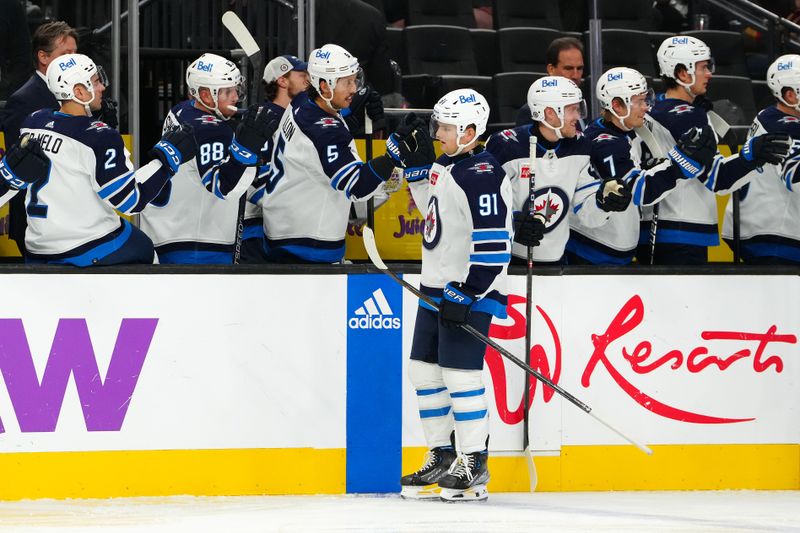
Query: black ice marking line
pixel 374 256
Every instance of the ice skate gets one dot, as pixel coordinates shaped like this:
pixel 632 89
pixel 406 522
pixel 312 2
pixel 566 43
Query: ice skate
pixel 422 484
pixel 467 478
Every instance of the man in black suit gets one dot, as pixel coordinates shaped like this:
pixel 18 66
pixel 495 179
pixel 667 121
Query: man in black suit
pixel 50 40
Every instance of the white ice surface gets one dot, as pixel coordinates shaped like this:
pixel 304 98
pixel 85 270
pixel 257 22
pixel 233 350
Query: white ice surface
pixel 541 512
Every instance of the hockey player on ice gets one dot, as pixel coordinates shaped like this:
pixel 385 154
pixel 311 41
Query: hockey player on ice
pixel 71 217
pixel 466 199
pixel 687 218
pixel 315 172
pixel 194 218
pixel 564 184
pixel 617 153
pixel 284 78
pixel 770 203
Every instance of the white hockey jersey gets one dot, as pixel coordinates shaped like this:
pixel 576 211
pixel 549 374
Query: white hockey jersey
pixel 769 208
pixel 564 185
pixel 688 215
pixel 71 213
pixel 467 238
pixel 617 154
pixel 315 175
pixel 194 218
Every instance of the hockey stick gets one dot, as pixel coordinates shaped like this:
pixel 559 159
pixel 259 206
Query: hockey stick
pixel 372 251
pixel 368 155
pixel 234 24
pixel 533 477
pixel 657 151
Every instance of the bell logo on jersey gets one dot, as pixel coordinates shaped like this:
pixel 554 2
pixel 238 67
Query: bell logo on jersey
pixel 374 313
pixel 467 99
pixel 64 65
pixel 205 67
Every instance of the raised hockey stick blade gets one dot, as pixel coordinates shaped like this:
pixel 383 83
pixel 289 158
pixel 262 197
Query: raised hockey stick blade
pixel 374 256
pixel 234 24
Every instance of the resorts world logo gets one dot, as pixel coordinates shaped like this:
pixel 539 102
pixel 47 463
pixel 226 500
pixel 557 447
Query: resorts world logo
pixel 374 313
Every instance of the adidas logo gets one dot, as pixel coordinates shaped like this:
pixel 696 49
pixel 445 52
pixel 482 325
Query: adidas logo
pixel 374 313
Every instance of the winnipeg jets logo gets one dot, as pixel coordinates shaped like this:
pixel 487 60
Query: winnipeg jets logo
pixel 604 137
pixel 482 168
pixel 98 125
pixel 208 119
pixel 327 122
pixel 432 231
pixel 553 204
pixel 509 135
pixel 788 120
pixel 682 108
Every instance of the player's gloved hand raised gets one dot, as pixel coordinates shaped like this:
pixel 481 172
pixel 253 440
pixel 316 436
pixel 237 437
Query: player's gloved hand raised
pixel 258 124
pixel 613 196
pixel 767 148
pixel 412 148
pixel 528 229
pixel 108 112
pixel 694 152
pixel 177 146
pixel 369 99
pixel 456 304
pixel 24 163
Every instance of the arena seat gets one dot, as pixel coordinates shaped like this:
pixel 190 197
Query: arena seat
pixel 727 49
pixel 523 49
pixel 517 13
pixel 444 12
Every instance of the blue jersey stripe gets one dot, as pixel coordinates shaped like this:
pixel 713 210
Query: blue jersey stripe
pixel 431 413
pixel 493 259
pixel 469 415
pixel 114 186
pixel 428 392
pixel 468 393
pixel 490 235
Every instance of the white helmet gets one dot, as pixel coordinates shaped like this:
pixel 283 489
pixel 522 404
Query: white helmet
pixel 555 92
pixel 785 72
pixel 69 70
pixel 329 63
pixel 686 51
pixel 214 73
pixel 623 83
pixel 461 108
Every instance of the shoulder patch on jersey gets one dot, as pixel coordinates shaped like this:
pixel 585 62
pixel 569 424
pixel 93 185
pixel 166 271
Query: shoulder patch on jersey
pixel 509 135
pixel 789 119
pixel 604 137
pixel 681 108
pixel 51 124
pixel 328 122
pixel 97 125
pixel 208 119
pixel 482 167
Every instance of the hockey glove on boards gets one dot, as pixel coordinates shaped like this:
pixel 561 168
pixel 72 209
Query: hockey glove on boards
pixel 767 148
pixel 694 152
pixel 613 196
pixel 177 146
pixel 257 126
pixel 528 229
pixel 456 304
pixel 24 163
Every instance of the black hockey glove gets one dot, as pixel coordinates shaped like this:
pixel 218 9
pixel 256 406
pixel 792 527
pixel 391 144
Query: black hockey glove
pixel 108 112
pixel 703 103
pixel 767 148
pixel 177 146
pixel 456 303
pixel 694 152
pixel 613 196
pixel 25 163
pixel 528 229
pixel 257 126
pixel 369 99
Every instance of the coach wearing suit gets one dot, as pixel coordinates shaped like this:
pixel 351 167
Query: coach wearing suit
pixel 50 41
